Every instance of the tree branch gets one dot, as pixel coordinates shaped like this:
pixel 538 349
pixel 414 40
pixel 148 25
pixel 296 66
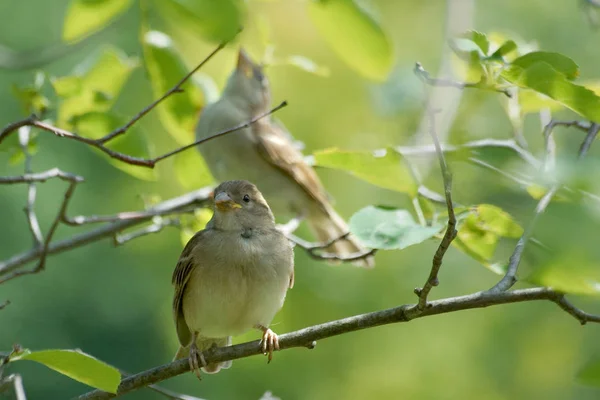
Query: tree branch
pixel 197 198
pixel 128 159
pixel 450 233
pixel 32 220
pixel 307 337
pixel 314 249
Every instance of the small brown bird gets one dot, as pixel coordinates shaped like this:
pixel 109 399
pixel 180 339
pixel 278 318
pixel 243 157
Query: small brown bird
pixel 231 276
pixel 264 153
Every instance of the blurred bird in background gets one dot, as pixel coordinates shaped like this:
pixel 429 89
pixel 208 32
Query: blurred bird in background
pixel 264 154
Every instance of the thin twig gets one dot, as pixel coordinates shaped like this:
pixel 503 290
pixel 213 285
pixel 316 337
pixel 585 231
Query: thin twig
pixel 39 177
pixel 307 337
pixel 32 220
pixel 43 252
pixel 3 305
pixel 16 383
pixel 508 144
pixel 510 277
pixel 313 249
pixel 450 233
pixel 122 216
pixel 426 77
pixel 174 89
pixel 198 198
pixel 128 159
pixel 154 228
pixel 589 139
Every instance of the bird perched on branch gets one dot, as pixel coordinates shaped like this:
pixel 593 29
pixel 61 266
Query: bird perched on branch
pixel 231 277
pixel 263 153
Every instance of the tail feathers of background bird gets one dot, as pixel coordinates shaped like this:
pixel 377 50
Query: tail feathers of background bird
pixel 205 344
pixel 327 226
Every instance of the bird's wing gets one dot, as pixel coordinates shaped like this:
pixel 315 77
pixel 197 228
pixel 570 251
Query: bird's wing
pixel 181 275
pixel 275 147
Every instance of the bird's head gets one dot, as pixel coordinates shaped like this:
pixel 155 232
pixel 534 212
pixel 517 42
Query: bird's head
pixel 248 84
pixel 239 205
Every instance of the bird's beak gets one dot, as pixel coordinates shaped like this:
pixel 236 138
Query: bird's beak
pixel 244 63
pixel 224 203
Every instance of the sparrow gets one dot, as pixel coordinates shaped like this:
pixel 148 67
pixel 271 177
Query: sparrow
pixel 231 276
pixel 265 153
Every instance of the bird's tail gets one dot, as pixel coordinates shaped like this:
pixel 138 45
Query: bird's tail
pixel 327 226
pixel 204 344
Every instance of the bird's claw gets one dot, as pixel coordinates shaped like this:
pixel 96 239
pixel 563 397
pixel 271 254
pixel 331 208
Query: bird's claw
pixel 269 343
pixel 196 360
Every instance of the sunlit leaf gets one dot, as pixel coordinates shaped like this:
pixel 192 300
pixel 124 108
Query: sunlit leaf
pixel 87 16
pixel 590 373
pixel 386 168
pixel 493 219
pixel 31 97
pixel 76 365
pixel 477 243
pixel 191 170
pixel 507 47
pixel 179 113
pixel 355 36
pixel 214 20
pixel 569 272
pixel 479 39
pixel 94 125
pixel 559 62
pixel 533 102
pixel 541 77
pixel 96 85
pixel 381 228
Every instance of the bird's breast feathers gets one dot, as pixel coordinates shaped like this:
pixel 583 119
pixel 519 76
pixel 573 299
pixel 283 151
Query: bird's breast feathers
pixel 243 285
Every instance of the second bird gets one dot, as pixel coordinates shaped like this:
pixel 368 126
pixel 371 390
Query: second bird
pixel 264 153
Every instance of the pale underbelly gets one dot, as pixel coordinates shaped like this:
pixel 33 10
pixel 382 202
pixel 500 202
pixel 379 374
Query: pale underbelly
pixel 227 302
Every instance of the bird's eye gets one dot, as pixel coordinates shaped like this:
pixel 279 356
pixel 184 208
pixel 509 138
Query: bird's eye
pixel 246 198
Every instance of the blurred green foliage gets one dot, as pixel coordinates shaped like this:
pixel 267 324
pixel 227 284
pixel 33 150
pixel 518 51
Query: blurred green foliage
pixel 81 67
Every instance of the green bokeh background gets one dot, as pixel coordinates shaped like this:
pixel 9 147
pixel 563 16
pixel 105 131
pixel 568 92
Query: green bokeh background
pixel 115 303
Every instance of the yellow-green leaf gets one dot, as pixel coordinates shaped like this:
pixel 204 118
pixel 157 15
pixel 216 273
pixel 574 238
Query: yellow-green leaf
pixel 543 78
pixel 493 219
pixel 180 112
pixel 381 228
pixel 355 36
pixel 97 85
pixel 88 16
pixel 385 168
pixel 76 365
pixel 569 272
pixel 214 20
pixel 559 62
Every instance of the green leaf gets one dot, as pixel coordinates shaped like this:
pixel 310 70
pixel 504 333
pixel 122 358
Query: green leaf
pixel 477 243
pixel 493 219
pixel 217 21
pixel 355 36
pixel 94 125
pixel 30 96
pixel 385 168
pixel 507 47
pixel 381 228
pixel 178 113
pixel 542 78
pixel 572 272
pixel 533 102
pixel 97 85
pixel 191 170
pixel 590 373
pixel 559 62
pixel 479 39
pixel 87 16
pixel 78 366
